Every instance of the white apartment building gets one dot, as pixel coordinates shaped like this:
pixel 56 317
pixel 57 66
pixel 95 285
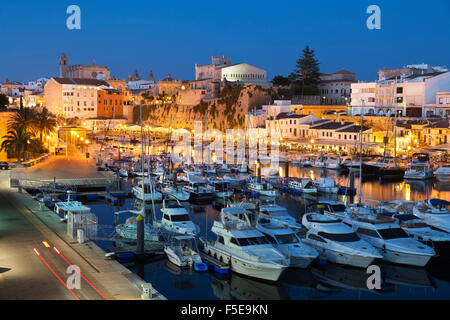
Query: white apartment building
pixel 73 97
pixel 362 98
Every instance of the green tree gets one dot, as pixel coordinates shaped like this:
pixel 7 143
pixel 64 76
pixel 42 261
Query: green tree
pixel 45 122
pixel 281 81
pixel 25 117
pixel 4 101
pixel 18 141
pixel 307 69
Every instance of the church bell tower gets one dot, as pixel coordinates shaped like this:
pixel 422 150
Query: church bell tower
pixel 63 64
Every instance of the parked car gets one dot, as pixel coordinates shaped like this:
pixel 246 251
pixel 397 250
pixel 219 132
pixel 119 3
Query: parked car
pixel 4 165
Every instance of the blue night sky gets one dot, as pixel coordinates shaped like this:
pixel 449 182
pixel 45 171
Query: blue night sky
pixel 171 36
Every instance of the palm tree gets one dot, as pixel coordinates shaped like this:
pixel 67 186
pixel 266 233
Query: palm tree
pixel 18 140
pixel 25 117
pixel 45 122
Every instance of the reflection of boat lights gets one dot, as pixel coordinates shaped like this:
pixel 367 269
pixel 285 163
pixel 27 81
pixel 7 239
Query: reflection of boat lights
pixel 407 192
pixel 311 174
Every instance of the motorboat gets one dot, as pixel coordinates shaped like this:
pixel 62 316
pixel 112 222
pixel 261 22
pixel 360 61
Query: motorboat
pixel 272 175
pixel 224 168
pixel 244 248
pixel 123 173
pixel 337 242
pixel 326 185
pixel 145 191
pixel 333 162
pixel 420 167
pixel 307 160
pixel 280 214
pixel 234 180
pixel 199 191
pixel 286 240
pixel 385 234
pixel 182 251
pixel 434 212
pixel 171 190
pixel 262 188
pixel 220 188
pixel 302 185
pixel 175 219
pixel 443 173
pixel 320 161
pixel 128 230
pixel 438 239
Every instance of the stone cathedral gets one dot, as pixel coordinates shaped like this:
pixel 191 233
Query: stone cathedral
pixel 82 71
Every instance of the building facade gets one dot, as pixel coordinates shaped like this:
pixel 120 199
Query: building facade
pixel 72 98
pixel 81 71
pixel 335 89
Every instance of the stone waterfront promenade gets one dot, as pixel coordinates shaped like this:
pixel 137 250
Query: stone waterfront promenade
pixel 25 224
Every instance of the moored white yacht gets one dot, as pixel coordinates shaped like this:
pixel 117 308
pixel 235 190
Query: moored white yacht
pixel 337 242
pixel 386 235
pixel 244 248
pixel 443 173
pixel 262 188
pixel 280 214
pixel 302 185
pixel 199 191
pixel 434 212
pixel 326 185
pixel 145 191
pixel 419 230
pixel 175 219
pixel 286 240
pixel 183 251
pixel 220 188
pixel 420 167
pixel 333 162
pixel 171 190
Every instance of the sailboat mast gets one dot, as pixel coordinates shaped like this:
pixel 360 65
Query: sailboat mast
pixel 360 153
pixel 395 123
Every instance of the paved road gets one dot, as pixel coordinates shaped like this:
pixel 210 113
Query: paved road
pixel 23 274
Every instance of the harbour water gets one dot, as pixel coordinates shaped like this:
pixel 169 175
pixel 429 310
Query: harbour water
pixel 317 282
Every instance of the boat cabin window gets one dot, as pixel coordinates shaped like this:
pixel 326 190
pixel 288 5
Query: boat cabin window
pixel 220 239
pixel 252 241
pixel 286 238
pixel 340 237
pixel 271 239
pixel 166 217
pixel 181 217
pixel 234 241
pixel 368 232
pixel 315 238
pixel 393 233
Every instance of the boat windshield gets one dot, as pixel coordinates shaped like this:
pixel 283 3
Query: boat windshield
pixel 180 217
pixel 286 238
pixel 340 237
pixel 393 233
pixel 252 241
pixel 337 207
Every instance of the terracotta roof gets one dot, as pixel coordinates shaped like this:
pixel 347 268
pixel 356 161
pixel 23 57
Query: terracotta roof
pixel 353 129
pixel 443 124
pixel 91 82
pixel 332 125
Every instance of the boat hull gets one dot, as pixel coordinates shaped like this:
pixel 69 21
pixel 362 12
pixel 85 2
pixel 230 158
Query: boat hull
pixel 417 260
pixel 267 272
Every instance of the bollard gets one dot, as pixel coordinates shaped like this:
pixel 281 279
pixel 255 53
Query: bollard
pixel 147 291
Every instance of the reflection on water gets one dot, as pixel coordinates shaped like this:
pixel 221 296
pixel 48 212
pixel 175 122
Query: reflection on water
pixel 329 282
